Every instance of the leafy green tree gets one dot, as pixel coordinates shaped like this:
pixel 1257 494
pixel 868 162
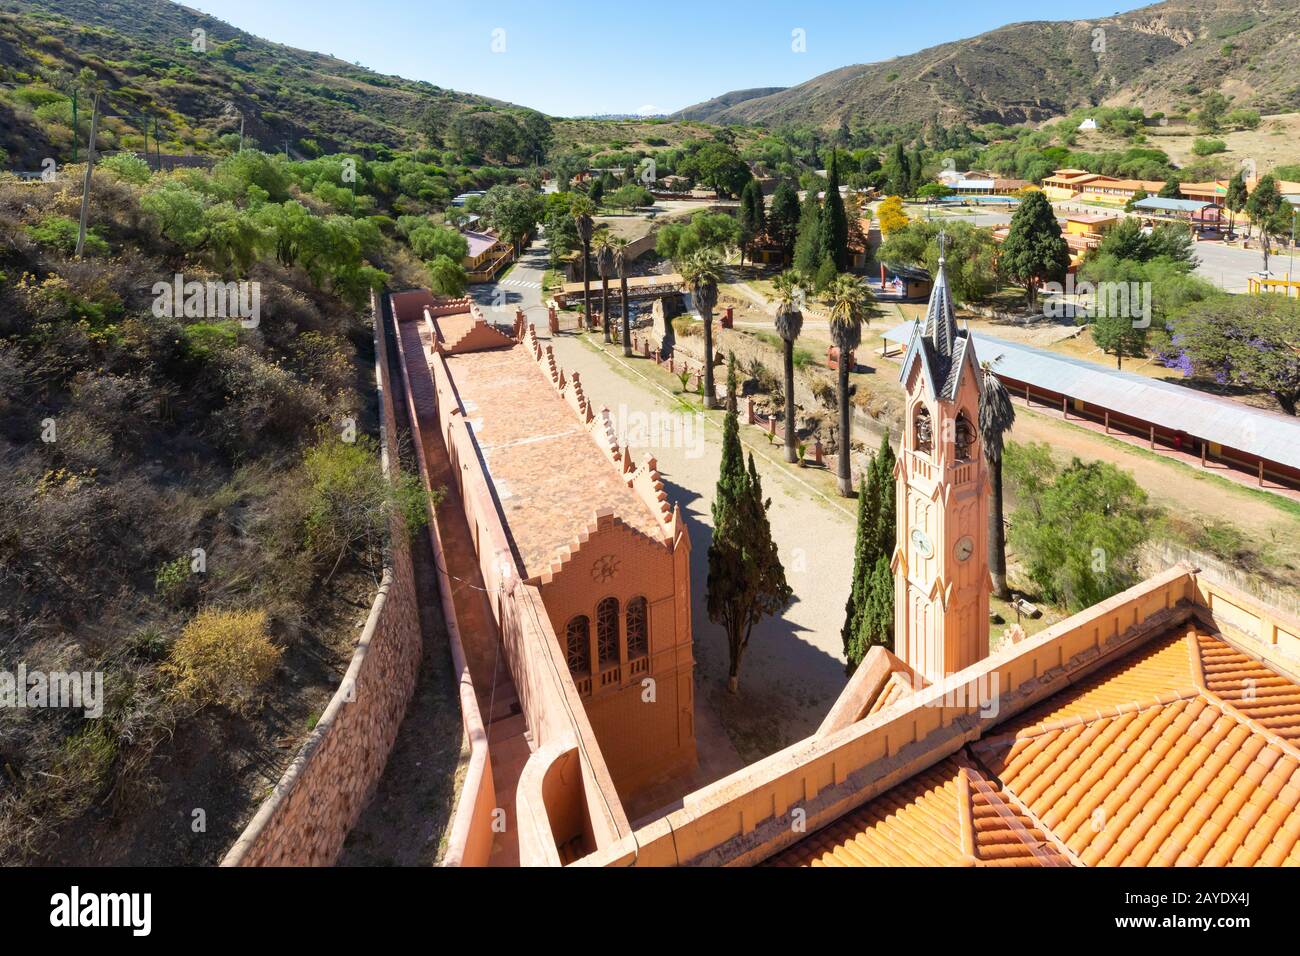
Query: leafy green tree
pixel 1116 333
pixel 1078 532
pixel 235 240
pixel 721 168
pixel 514 211
pixel 972 255
pixel 447 277
pixel 1213 107
pixel 746 581
pixel 1235 199
pixel 180 213
pixel 561 229
pixel 1034 252
pixel 127 167
pixel 429 241
pixel 630 196
pixel 752 218
pixel 714 231
pixel 789 298
pixel 1252 341
pixel 783 221
pixel 1266 210
pixel 1168 240
pixel 848 300
pixel 60 233
pixel 1170 189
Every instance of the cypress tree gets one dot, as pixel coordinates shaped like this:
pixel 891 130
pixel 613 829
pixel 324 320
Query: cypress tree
pixel 876 531
pixel 746 579
pixel 834 226
pixel 863 563
pixel 876 627
pixel 887 502
pixel 752 214
pixel 807 248
pixel 915 171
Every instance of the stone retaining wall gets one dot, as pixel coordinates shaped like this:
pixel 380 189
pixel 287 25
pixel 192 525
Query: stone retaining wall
pixel 306 819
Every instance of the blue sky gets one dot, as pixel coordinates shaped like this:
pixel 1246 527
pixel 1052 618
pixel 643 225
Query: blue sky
pixel 576 58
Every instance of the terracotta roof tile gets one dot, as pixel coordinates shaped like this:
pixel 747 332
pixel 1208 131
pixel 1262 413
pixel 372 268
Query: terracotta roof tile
pixel 1182 753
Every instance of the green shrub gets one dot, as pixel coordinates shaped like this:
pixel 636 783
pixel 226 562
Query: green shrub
pixel 203 339
pixel 127 167
pixel 38 96
pixel 60 233
pixel 172 577
pixel 1208 147
pixel 349 502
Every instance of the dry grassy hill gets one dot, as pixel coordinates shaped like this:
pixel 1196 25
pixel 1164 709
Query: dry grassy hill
pixel 1160 57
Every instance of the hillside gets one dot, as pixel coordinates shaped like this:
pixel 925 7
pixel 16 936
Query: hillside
pixel 142 51
pixel 1162 57
pixel 725 101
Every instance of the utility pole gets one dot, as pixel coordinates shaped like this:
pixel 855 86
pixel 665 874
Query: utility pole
pixel 90 168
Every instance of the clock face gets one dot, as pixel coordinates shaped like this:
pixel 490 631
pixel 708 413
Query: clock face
pixel 922 542
pixel 964 549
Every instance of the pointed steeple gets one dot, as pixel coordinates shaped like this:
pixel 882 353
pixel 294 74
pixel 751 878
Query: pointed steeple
pixel 940 318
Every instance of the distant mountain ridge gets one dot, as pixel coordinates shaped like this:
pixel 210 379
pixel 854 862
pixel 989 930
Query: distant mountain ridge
pixel 1162 56
pixel 144 48
pixel 725 101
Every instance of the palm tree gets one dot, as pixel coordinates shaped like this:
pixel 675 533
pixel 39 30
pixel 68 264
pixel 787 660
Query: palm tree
pixel 603 246
pixel 702 271
pixel 847 298
pixel 618 249
pixel 582 209
pixel 789 299
pixel 996 417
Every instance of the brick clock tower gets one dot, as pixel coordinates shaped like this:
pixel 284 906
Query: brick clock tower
pixel 941 574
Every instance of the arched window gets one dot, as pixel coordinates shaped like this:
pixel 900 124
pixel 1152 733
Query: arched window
pixel 607 631
pixel 964 438
pixel 638 634
pixel 923 431
pixel 577 643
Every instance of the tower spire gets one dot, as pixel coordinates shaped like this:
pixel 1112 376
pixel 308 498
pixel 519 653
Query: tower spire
pixel 940 318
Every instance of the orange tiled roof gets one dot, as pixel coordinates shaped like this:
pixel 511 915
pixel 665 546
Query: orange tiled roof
pixel 1184 752
pixel 547 472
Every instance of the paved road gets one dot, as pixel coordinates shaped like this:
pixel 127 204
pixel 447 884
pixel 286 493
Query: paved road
pixel 1228 267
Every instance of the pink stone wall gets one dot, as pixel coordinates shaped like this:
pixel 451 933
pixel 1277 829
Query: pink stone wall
pixel 309 814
